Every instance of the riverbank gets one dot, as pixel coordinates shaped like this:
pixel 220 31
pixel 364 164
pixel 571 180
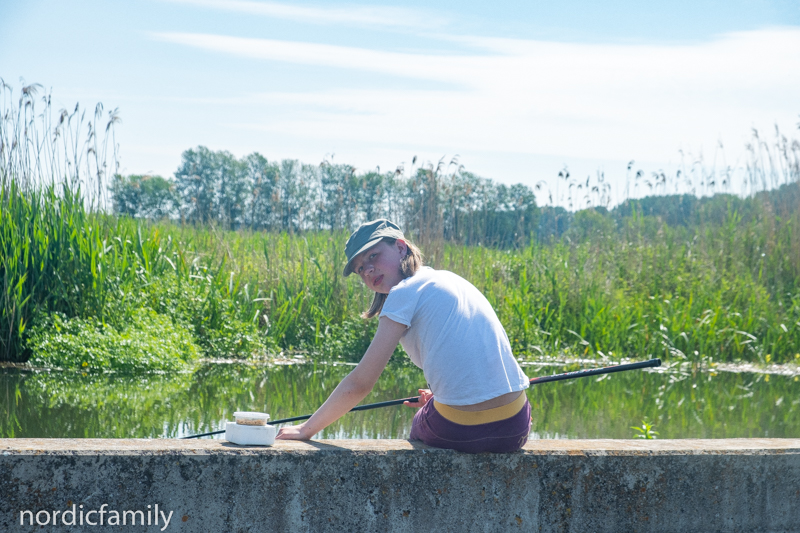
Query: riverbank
pixel 98 292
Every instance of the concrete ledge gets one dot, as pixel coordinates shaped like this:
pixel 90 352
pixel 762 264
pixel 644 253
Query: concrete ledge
pixel 394 485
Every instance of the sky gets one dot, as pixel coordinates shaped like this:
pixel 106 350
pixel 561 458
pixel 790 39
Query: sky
pixel 518 91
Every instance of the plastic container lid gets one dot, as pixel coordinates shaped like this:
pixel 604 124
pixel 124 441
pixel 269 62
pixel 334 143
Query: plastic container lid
pixel 248 418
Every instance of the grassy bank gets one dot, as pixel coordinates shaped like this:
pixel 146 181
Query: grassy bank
pixel 83 290
pixel 727 291
pixel 93 291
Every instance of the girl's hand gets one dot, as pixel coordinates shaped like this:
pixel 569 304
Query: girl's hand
pixel 297 432
pixel 424 396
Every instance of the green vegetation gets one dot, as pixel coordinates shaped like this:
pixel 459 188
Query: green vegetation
pixel 148 340
pixel 641 288
pixel 80 289
pixel 645 290
pixel 439 202
pixel 257 271
pixel 96 277
pixel 646 431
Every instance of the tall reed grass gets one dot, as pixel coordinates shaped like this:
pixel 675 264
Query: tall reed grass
pixel 53 252
pixel 726 291
pixel 61 255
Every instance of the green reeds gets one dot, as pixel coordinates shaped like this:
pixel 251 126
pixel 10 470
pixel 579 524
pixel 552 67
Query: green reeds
pixel 725 292
pixel 53 251
pixel 61 256
pixel 643 290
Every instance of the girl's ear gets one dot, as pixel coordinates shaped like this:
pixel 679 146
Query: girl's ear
pixel 402 247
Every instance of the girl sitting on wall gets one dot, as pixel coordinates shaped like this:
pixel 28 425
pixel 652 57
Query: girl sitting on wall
pixel 476 401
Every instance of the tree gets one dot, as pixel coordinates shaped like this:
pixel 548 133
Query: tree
pixel 295 182
pixel 234 188
pixel 142 196
pixel 553 222
pixel 369 194
pixel 196 182
pixel 263 203
pixel 337 195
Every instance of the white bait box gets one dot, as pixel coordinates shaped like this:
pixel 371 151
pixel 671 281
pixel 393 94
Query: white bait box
pixel 250 435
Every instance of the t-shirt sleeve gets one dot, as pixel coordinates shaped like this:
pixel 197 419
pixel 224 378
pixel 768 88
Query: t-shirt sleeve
pixel 401 304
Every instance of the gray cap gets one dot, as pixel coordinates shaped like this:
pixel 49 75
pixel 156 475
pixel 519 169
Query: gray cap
pixel 366 236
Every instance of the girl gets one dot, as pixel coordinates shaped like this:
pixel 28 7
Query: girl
pixel 476 402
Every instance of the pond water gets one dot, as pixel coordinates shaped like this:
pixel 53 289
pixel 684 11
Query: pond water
pixel 680 403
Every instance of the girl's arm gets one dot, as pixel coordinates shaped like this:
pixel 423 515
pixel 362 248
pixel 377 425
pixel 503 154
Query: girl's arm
pixel 355 386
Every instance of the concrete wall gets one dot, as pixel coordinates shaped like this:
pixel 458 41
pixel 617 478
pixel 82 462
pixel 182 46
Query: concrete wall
pixel 391 485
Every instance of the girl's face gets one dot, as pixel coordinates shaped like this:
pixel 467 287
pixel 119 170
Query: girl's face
pixel 379 267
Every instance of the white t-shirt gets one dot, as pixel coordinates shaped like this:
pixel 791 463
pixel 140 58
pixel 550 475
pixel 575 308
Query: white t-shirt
pixel 455 337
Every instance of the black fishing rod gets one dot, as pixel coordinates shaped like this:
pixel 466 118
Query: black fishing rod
pixel 534 381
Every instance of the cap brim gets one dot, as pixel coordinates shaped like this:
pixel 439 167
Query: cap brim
pixel 347 270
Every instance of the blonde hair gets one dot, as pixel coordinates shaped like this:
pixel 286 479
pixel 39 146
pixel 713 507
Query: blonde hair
pixel 408 267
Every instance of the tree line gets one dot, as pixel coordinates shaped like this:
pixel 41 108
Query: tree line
pixel 431 201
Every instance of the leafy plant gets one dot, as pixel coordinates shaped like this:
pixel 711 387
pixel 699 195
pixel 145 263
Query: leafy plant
pixel 646 431
pixel 148 342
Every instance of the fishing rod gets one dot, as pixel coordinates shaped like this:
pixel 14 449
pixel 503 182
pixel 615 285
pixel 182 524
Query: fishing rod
pixel 534 381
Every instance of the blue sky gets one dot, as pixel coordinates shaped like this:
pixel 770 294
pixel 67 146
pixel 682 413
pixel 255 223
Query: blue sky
pixel 519 90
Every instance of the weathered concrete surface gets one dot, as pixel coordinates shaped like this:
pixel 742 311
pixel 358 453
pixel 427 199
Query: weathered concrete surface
pixel 734 485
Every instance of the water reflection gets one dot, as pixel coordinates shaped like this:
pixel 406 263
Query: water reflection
pixel 681 404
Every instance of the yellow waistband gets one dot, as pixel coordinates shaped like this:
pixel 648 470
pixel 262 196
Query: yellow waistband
pixel 474 418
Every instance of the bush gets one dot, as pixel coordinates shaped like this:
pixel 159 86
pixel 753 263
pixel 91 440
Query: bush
pixel 347 341
pixel 212 317
pixel 236 339
pixel 149 341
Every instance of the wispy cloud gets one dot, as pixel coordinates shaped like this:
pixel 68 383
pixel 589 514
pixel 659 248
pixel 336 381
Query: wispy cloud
pixel 753 58
pixel 394 63
pixel 536 97
pixel 356 15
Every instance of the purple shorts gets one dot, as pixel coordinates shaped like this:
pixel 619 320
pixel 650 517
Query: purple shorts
pixel 502 429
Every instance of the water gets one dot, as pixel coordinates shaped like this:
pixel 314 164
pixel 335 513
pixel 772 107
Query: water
pixel 681 404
